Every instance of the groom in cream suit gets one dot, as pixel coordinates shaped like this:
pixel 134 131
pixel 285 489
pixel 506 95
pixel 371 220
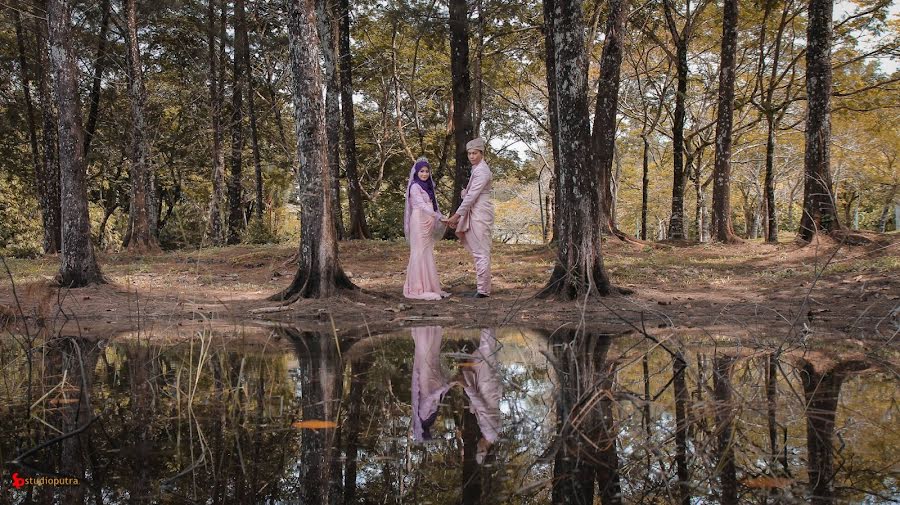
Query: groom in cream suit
pixel 474 219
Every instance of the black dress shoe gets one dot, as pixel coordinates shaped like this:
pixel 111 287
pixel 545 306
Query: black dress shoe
pixel 477 295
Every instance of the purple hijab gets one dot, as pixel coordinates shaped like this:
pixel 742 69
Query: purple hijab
pixel 428 186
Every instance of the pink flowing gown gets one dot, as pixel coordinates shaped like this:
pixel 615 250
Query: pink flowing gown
pixel 422 281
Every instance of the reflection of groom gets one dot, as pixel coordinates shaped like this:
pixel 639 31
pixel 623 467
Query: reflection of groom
pixel 474 219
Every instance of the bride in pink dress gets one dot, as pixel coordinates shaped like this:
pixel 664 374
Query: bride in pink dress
pixel 422 225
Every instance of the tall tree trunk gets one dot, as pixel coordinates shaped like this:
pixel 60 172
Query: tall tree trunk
pixel 319 274
pixel 99 68
pixel 216 95
pixel 235 186
pixel 821 391
pixel 676 223
pixel 49 191
pixel 579 265
pixel 143 214
pixel 78 266
pixel 771 216
pixel 328 34
pixel 819 212
pixel 553 112
pixel 254 134
pixel 603 137
pixel 358 227
pixel 462 100
pixel 26 91
pixel 721 218
pixel 645 185
pixel 886 210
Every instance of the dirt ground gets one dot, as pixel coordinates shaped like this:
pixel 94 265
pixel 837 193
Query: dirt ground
pixel 821 292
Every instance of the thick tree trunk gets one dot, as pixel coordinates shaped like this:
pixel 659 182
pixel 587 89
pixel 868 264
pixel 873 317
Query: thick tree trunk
pixel 358 227
pixel 319 274
pixel 462 100
pixel 771 216
pixel 676 223
pixel 603 137
pixel 721 215
pixel 819 212
pixel 328 34
pixel 78 266
pixel 235 185
pixel 143 213
pixel 99 68
pixel 579 265
pixel 216 95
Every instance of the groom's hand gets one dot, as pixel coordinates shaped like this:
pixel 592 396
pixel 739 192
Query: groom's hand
pixel 453 221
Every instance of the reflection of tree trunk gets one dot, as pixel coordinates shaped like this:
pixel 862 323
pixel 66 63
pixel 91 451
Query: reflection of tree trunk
pixel 358 381
pixel 77 358
pixel 139 374
pixel 771 405
pixel 681 428
pixel 471 470
pixel 821 391
pixel 724 409
pixel 320 381
pixel 586 439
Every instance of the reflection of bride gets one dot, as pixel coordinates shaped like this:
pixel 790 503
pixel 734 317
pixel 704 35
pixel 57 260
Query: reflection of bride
pixel 479 379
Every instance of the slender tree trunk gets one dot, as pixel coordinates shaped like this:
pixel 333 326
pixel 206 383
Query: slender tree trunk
pixel 886 210
pixel 49 191
pixel 771 216
pixel 254 133
pixel 819 212
pixel 462 100
pixel 78 266
pixel 358 227
pixel 319 274
pixel 99 68
pixel 216 94
pixel 603 137
pixel 579 265
pixel 676 223
pixel 26 91
pixel 721 216
pixel 235 186
pixel 328 33
pixel 553 112
pixel 143 214
pixel 645 185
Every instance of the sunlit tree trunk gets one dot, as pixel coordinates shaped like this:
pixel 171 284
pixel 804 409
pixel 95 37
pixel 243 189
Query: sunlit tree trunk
pixel 142 215
pixel 819 211
pixel 78 265
pixel 319 274
pixel 328 34
pixel 721 215
pixel 579 264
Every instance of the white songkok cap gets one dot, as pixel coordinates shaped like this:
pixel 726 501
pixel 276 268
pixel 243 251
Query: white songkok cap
pixel 477 144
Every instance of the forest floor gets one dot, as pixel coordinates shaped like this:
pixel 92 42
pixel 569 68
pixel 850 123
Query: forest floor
pixel 821 292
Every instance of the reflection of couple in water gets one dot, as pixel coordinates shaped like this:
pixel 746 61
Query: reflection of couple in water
pixel 479 379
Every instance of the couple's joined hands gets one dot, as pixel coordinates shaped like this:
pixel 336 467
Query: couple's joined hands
pixel 451 221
